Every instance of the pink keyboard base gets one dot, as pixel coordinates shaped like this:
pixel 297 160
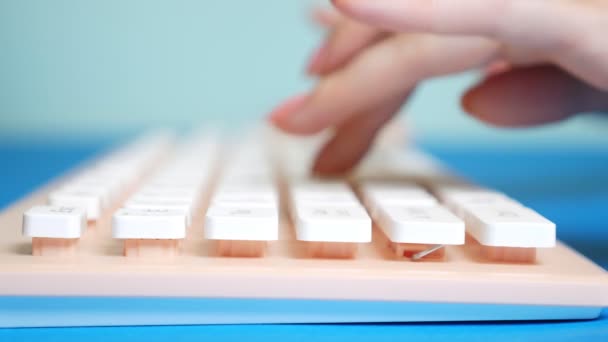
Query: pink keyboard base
pixel 561 278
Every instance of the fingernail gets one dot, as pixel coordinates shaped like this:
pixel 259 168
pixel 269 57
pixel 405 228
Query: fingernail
pixel 316 61
pixel 286 109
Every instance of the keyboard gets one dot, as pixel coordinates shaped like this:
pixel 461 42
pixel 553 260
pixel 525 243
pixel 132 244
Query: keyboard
pixel 208 230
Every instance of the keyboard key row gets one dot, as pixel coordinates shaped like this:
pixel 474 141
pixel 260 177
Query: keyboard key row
pixel 243 215
pixel 241 231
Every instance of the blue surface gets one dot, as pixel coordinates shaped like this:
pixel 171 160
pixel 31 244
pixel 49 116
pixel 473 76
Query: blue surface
pixel 569 186
pixel 24 311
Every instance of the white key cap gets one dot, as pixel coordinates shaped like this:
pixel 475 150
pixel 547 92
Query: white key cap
pixel 266 189
pixel 151 194
pixel 422 225
pixel 242 223
pixel 184 207
pixel 103 191
pixel 149 224
pixel 450 194
pixel 332 223
pixel 90 202
pixel 250 201
pixel 54 222
pixel 383 194
pixel 115 186
pixel 461 206
pixel 250 167
pixel 457 199
pixel 247 178
pixel 194 184
pixel 320 187
pixel 475 197
pixel 445 190
pixel 164 197
pixel 245 195
pixel 179 176
pixel 508 225
pixel 329 198
pixel 334 193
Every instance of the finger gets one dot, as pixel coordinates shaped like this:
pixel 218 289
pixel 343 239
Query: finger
pixel 325 17
pixel 496 67
pixel 383 72
pixel 537 22
pixel 566 32
pixel 354 138
pixel 532 96
pixel 346 40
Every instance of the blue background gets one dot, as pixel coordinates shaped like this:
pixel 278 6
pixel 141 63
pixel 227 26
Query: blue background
pixel 568 185
pixel 104 68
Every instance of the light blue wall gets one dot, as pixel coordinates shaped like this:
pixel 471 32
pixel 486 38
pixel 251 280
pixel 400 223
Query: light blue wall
pixel 85 68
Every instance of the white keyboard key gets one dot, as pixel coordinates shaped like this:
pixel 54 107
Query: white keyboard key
pixel 376 195
pixel 333 193
pixel 508 225
pixel 250 201
pixel 442 191
pixel 478 197
pixel 149 224
pixel 269 189
pixel 159 201
pixel 167 193
pixel 147 195
pixel 328 198
pixel 115 186
pixel 242 223
pixel 90 202
pixel 320 187
pixel 245 195
pixel 169 186
pixel 176 183
pixel 54 222
pixel 458 199
pixel 103 191
pixel 421 225
pixel 251 167
pixel 250 178
pixel 332 223
pixel 451 194
pixel 125 173
pixel 183 206
pixel 188 175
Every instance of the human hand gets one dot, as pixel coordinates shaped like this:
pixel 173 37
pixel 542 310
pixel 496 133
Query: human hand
pixel 544 61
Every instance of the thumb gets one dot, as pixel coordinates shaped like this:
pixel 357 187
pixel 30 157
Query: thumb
pixel 532 96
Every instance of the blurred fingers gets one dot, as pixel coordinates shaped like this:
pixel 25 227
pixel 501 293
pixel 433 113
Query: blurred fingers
pixel 353 139
pixel 346 40
pixel 536 22
pixel 325 17
pixel 569 33
pixel 385 71
pixel 532 96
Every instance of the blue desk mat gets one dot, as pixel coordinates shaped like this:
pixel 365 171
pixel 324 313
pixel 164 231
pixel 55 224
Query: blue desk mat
pixel 569 186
